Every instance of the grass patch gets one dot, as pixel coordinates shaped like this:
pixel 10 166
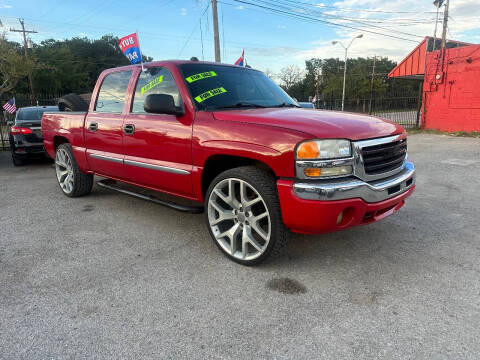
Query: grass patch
pixel 474 134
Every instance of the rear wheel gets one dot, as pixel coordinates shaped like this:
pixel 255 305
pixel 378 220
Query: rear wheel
pixel 16 160
pixel 243 215
pixel 71 179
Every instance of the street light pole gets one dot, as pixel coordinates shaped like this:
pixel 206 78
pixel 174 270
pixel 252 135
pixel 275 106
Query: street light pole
pixel 345 66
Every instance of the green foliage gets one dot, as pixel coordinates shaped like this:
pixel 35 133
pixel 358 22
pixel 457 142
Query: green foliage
pixel 13 67
pixel 72 65
pixel 327 76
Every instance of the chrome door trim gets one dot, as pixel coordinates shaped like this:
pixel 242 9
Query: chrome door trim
pixel 107 158
pixel 157 167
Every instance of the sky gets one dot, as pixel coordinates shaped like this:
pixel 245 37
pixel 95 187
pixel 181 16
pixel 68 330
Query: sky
pixel 173 29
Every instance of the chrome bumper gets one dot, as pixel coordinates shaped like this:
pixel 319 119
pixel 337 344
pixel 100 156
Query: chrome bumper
pixel 374 191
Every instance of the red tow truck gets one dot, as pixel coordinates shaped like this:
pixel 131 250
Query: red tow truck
pixel 233 143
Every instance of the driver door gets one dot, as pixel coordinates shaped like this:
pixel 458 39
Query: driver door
pixel 157 147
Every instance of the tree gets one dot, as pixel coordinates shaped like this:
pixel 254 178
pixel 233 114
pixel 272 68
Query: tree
pixel 73 65
pixel 270 73
pixel 13 65
pixel 290 75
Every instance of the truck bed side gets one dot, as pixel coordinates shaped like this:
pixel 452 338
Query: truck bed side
pixel 62 127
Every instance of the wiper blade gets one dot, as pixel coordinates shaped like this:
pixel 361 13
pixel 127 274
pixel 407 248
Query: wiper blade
pixel 241 105
pixel 285 105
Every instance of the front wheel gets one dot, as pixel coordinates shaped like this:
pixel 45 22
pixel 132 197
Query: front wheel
pixel 243 215
pixel 71 179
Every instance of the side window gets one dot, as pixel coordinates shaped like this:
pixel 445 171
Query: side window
pixel 154 80
pixel 112 92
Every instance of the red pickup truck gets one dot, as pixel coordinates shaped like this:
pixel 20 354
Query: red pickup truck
pixel 232 141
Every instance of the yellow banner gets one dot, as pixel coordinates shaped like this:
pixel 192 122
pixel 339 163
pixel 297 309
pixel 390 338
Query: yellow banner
pixel 201 76
pixel 208 94
pixel 152 84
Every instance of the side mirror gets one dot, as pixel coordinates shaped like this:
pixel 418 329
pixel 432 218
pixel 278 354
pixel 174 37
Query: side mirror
pixel 162 104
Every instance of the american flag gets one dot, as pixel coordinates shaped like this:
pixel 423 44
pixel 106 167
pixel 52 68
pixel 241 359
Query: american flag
pixel 10 106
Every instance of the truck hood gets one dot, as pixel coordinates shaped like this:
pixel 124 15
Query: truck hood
pixel 319 123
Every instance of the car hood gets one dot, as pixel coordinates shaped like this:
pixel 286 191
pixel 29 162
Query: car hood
pixel 318 123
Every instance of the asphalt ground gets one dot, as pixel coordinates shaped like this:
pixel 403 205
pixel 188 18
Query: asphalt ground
pixel 114 277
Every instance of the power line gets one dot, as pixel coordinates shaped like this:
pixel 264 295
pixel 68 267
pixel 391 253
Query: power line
pixel 193 30
pixel 156 35
pixel 351 20
pixel 305 17
pixel 376 20
pixel 364 10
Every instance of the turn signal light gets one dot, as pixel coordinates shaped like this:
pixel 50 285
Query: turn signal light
pixel 308 150
pixel 16 130
pixel 313 172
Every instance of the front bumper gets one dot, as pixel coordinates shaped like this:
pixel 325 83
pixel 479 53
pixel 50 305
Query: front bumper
pixel 375 191
pixel 321 207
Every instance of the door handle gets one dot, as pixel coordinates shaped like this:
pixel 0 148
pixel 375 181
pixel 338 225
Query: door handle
pixel 129 129
pixel 93 126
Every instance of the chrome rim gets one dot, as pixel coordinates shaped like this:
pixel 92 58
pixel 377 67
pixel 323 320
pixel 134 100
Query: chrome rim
pixel 239 219
pixel 64 169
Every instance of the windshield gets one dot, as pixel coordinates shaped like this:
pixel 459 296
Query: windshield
pixel 33 113
pixel 216 87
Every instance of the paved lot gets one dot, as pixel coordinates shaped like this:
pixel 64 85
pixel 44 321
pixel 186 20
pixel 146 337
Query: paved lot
pixel 110 276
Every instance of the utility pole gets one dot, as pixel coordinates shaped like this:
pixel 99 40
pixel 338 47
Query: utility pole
pixel 445 21
pixel 216 37
pixel 25 45
pixel 371 85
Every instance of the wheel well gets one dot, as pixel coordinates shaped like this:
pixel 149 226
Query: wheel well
pixel 59 140
pixel 219 163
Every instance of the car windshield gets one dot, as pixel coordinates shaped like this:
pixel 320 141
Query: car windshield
pixel 217 87
pixel 33 113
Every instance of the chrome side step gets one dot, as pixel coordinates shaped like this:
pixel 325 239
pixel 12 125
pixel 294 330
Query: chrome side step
pixel 107 183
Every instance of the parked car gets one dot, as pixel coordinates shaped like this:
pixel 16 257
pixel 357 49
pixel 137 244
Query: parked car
pixel 26 133
pixel 307 105
pixel 232 141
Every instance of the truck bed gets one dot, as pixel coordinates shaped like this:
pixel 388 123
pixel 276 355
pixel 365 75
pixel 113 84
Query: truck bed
pixel 62 127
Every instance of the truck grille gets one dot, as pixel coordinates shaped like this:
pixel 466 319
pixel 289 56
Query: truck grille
pixel 382 158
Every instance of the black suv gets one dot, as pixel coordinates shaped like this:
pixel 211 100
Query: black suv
pixel 26 133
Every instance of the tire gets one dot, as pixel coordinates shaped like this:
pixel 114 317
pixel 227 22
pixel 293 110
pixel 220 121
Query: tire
pixel 16 160
pixel 72 102
pixel 71 179
pixel 241 218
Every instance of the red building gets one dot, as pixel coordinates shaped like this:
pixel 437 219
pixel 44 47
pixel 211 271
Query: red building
pixel 451 84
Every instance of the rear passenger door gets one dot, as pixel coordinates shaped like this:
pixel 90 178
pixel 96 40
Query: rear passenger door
pixel 103 126
pixel 158 146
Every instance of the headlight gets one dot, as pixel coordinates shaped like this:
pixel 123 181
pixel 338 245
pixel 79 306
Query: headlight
pixel 324 149
pixel 324 159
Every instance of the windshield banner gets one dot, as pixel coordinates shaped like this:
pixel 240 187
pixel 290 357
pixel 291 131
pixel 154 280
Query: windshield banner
pixel 131 48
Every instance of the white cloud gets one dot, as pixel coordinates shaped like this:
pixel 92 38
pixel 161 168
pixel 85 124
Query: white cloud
pixel 281 26
pixel 183 12
pixel 240 7
pixel 400 17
